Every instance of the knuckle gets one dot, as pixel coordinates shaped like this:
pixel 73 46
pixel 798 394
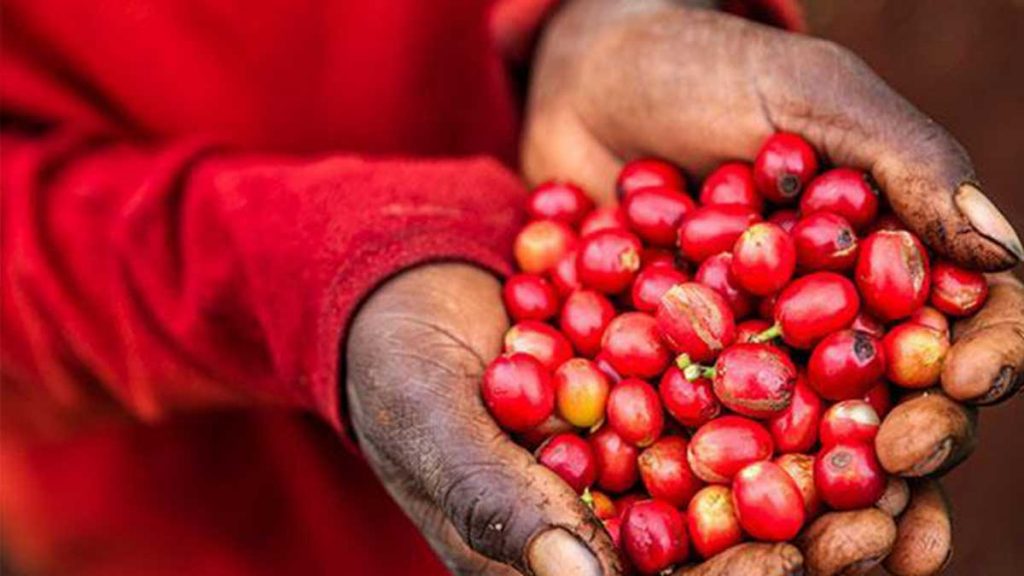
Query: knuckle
pixel 483 509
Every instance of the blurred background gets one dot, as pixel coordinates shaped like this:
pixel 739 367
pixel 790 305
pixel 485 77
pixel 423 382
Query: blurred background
pixel 959 61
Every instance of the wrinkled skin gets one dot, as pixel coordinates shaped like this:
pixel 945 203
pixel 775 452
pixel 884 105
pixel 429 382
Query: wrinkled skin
pixel 613 80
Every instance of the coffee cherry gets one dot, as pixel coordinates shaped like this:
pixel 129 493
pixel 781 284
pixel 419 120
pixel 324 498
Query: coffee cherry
pixel 957 291
pixel 710 230
pixel 849 421
pixel 754 380
pixel 529 297
pixel 865 322
pixel 691 402
pixel 716 273
pixel 815 306
pixel 784 166
pixel 763 259
pixel 541 244
pixel 616 461
pixel 654 214
pixel 796 428
pixel 800 467
pixel 844 191
pixel 749 331
pixel 696 321
pixel 571 458
pixel 720 448
pixel 932 318
pixel 731 183
pixel 825 241
pixel 560 201
pixel 613 526
pixel 665 472
pixel 914 355
pixel 634 412
pixel 518 392
pixel 564 275
pixel 539 340
pixel 785 219
pixel 600 503
pixel 880 399
pixel 632 344
pixel 768 503
pixel 848 476
pixel 585 315
pixel 766 307
pixel 648 173
pixel 652 283
pixel 581 392
pixel 608 260
pixel 711 521
pixel 845 365
pixel 892 274
pixel 624 502
pixel 654 536
pixel 651 257
pixel 603 218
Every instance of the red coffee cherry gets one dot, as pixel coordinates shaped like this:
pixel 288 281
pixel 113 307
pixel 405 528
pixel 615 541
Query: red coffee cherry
pixel 616 461
pixel 541 244
pixel 654 214
pixel 754 380
pixel 880 398
pixel 848 422
pixel 632 344
pixel 564 275
pixel 716 273
pixel 696 321
pixel 749 331
pixel 825 241
pixel 712 522
pixel 892 274
pixel 603 218
pixel 815 306
pixel 845 365
pixel 652 283
pixel 784 166
pixel 768 502
pixel 529 297
pixel 539 340
pixel 665 472
pixel 848 476
pixel 931 318
pixel 691 402
pixel 720 448
pixel 585 315
pixel 634 412
pixel 914 355
pixel 648 173
pixel 710 230
pixel 581 392
pixel 732 183
pixel 654 536
pixel 540 434
pixel 785 219
pixel 518 392
pixel 608 260
pixel 849 193
pixel 571 458
pixel 763 259
pixel 561 201
pixel 865 322
pixel 796 428
pixel 957 291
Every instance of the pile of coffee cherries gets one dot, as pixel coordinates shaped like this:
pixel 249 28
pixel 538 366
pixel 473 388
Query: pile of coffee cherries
pixel 707 372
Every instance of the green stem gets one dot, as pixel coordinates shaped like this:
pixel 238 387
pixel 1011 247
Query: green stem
pixel 683 361
pixel 694 371
pixel 587 498
pixel 770 334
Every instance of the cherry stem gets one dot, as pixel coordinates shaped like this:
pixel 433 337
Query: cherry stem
pixel 587 498
pixel 694 371
pixel 683 361
pixel 770 334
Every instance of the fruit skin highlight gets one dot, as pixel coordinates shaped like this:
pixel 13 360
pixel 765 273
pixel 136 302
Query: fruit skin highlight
pixel 768 503
pixel 584 317
pixel 561 201
pixel 849 421
pixel 539 340
pixel 518 392
pixel 892 274
pixel 654 214
pixel 647 173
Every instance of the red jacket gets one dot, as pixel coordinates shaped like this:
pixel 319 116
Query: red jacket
pixel 196 195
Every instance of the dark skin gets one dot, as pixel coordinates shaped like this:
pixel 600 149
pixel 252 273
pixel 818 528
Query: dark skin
pixel 615 80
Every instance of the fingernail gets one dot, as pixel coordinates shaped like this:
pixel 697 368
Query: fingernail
pixel 987 219
pixel 557 552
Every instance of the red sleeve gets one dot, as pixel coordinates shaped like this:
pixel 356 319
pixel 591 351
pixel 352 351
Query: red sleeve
pixel 183 276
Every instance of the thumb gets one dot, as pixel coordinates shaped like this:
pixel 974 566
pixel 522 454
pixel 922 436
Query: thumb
pixel 416 354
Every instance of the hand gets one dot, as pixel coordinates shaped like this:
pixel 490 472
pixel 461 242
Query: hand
pixel 617 79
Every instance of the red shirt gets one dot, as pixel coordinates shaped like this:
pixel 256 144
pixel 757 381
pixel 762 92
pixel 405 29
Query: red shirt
pixel 196 196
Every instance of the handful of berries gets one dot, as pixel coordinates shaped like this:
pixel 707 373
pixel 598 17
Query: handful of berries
pixel 708 372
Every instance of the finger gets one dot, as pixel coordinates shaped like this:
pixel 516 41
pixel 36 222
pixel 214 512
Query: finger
pixel 750 560
pixel 986 363
pixel 847 543
pixel 924 541
pixel 925 434
pixel 423 341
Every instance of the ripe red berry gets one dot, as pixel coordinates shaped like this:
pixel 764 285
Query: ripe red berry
pixel 601 504
pixel 654 536
pixel 754 380
pixel 749 331
pixel 763 259
pixel 848 476
pixel 613 526
pixel 845 365
pixel 710 230
pixel 654 214
pixel 632 344
pixel 731 183
pixel 634 412
pixel 849 421
pixel 696 320
pixel 711 521
pixel 564 275
pixel 716 273
pixel 665 472
pixel 957 291
pixel 800 467
pixel 585 315
pixel 652 283
pixel 518 392
pixel 608 260
pixel 865 322
pixel 571 458
pixel 539 340
pixel 561 201
pixel 648 173
pixel 784 166
pixel 691 402
pixel 914 355
pixel 892 274
pixel 932 318
pixel 720 448
pixel 796 428
pixel 603 218
pixel 766 307
pixel 581 392
pixel 529 297
pixel 814 306
pixel 539 434
pixel 768 502
pixel 616 461
pixel 844 191
pixel 825 241
pixel 785 219
pixel 541 244
pixel 880 398
pixel 887 221
pixel 651 257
